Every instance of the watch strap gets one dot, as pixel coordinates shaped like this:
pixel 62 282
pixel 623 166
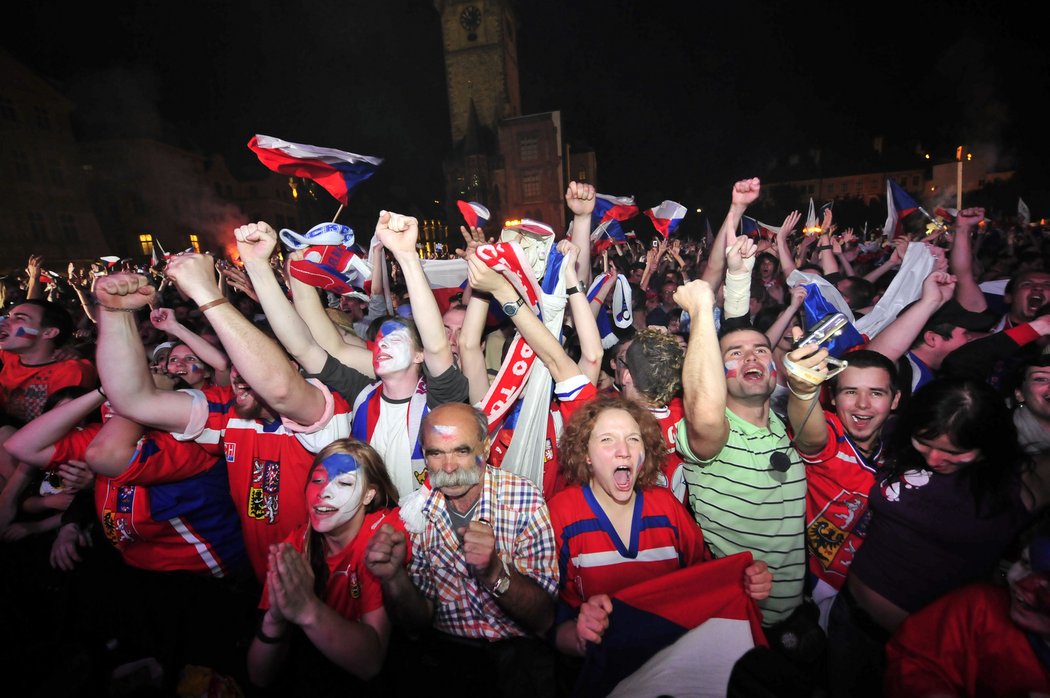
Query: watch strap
pixel 578 288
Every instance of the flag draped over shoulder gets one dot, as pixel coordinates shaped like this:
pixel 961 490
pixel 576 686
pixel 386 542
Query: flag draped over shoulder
pixel 666 217
pixel 678 634
pixel 337 171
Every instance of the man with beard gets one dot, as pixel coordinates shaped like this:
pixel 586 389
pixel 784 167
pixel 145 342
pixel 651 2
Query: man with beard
pixel 483 572
pixel 267 422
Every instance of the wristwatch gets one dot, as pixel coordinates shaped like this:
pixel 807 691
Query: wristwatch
pixel 503 583
pixel 510 308
pixel 578 288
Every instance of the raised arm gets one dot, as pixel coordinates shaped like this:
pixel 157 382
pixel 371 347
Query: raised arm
pixel 121 358
pixel 740 260
pixel 776 331
pixel 308 305
pixel 897 338
pixel 34 443
pixel 703 373
pixel 900 248
pixel 262 363
pixel 960 259
pixel 547 347
pixel 579 197
pixel 399 234
pixel 164 320
pixel 471 352
pixel 782 238
pixel 744 194
pixel 591 351
pixel 806 369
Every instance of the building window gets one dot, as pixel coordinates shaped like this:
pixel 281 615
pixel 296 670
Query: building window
pixel 195 243
pixel 529 147
pixel 68 225
pixel 530 185
pixel 915 181
pixel 146 243
pixel 7 110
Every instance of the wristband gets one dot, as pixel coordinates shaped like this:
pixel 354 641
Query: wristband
pixel 211 304
pixel 115 310
pixel 821 248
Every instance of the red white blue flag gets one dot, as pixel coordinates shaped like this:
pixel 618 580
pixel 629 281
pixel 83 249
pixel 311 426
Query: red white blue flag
pixel 337 171
pixel 756 229
pixel 474 213
pixel 666 217
pixel 606 208
pixel 663 641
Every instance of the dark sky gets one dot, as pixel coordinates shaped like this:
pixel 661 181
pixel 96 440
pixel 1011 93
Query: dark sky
pixel 672 95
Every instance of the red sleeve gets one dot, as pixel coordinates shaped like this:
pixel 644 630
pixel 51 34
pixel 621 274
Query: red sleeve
pixel 73 446
pixel 160 458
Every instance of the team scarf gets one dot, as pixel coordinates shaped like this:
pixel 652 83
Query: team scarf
pixel 519 398
pixel 366 416
pixel 605 324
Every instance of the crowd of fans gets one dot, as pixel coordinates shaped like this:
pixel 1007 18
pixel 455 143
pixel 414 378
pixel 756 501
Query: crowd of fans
pixel 220 478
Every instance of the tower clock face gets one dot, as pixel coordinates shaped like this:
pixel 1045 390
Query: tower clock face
pixel 470 18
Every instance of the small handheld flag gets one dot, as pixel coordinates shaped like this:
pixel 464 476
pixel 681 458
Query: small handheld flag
pixel 666 217
pixel 474 213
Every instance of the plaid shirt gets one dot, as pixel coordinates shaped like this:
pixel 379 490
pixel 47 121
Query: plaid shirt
pixel 463 606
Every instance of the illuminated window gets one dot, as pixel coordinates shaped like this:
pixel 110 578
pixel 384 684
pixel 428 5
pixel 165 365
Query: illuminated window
pixel 195 243
pixel 146 242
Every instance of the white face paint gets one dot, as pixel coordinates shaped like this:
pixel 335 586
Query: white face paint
pixel 335 493
pixel 393 349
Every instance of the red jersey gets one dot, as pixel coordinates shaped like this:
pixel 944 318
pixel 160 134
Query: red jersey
pixel 592 559
pixel 268 466
pixel 838 480
pixel 179 518
pixel 352 590
pixel 25 389
pixel 671 474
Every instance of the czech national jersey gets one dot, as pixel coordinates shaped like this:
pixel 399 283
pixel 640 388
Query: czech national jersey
pixel 593 560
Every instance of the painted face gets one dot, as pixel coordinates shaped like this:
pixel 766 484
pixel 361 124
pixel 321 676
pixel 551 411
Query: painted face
pixel 615 452
pixel 1035 392
pixel 1030 593
pixel 1029 295
pixel 942 455
pixel 454 456
pixel 393 349
pixel 750 370
pixel 863 401
pixel 182 362
pixel 335 492
pixel 21 329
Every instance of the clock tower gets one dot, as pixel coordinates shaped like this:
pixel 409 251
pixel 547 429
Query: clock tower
pixel 481 62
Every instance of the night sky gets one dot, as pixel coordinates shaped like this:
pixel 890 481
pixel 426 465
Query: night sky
pixel 674 97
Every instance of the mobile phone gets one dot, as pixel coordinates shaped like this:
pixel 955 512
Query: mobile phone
pixel 824 331
pixel 656 243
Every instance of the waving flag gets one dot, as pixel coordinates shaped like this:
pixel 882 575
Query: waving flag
pixel 337 171
pixel 446 277
pixel 666 217
pixel 899 205
pixel 606 235
pixel 1024 216
pixel 607 208
pixel 753 228
pixel 661 641
pixel 474 213
pixel 948 214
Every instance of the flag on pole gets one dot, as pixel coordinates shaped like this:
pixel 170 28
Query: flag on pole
pixel 666 217
pixel 660 640
pixel 709 235
pixel 1024 216
pixel 474 213
pixel 337 171
pixel 606 235
pixel 899 205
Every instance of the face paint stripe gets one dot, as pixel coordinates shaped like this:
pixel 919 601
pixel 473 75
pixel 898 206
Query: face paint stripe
pixel 338 464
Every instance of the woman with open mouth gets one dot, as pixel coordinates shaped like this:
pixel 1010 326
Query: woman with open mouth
pixel 613 526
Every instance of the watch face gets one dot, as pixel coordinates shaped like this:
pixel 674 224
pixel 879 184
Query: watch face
pixel 510 309
pixel 470 18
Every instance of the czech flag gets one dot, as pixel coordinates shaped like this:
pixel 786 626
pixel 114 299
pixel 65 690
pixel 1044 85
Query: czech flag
pixel 474 213
pixel 606 235
pixel 337 171
pixel 756 229
pixel 899 205
pixel 815 307
pixel 446 278
pixel 666 217
pixel 665 641
pixel 606 208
